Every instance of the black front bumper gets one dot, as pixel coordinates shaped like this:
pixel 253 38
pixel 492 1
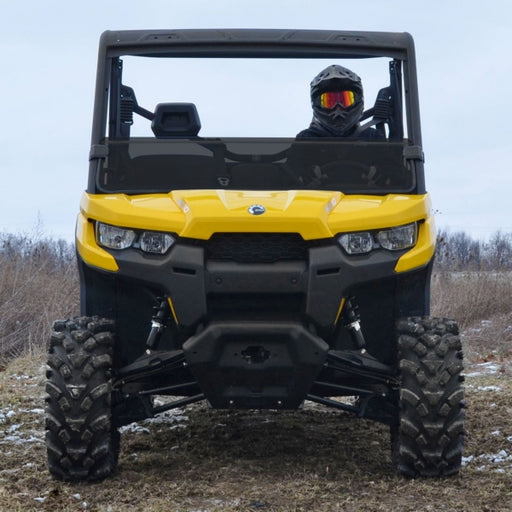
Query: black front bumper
pixel 255 365
pixel 196 284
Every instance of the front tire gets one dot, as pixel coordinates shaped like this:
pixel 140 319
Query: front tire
pixel 428 432
pixel 81 441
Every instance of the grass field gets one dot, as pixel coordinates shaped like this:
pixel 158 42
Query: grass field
pixel 316 459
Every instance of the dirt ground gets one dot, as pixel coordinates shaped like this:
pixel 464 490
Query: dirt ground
pixel 317 459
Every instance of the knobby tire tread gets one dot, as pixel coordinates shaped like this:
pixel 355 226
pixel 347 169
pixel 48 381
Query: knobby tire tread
pixel 81 441
pixel 428 434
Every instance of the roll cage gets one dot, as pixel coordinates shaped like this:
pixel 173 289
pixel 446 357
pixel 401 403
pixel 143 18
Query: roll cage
pixel 115 102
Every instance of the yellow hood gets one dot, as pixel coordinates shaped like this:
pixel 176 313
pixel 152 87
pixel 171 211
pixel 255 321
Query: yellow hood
pixel 200 213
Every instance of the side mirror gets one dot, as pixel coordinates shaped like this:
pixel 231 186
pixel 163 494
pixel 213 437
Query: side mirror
pixel 175 120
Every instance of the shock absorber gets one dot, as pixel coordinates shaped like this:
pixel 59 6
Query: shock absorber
pixel 158 323
pixel 353 324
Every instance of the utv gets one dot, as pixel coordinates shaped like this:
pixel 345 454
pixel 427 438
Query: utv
pixel 255 271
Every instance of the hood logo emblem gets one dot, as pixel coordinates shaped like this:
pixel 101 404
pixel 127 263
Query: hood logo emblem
pixel 256 209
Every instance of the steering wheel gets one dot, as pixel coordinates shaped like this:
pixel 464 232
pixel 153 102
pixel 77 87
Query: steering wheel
pixel 341 173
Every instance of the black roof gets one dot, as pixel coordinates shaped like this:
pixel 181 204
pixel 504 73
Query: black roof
pixel 257 43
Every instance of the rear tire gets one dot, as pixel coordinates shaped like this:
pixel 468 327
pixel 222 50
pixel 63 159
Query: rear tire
pixel 81 441
pixel 428 432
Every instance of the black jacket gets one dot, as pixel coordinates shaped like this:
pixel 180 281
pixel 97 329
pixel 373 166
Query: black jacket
pixel 317 130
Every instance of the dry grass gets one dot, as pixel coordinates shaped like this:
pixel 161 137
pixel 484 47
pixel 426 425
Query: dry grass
pixel 481 302
pixel 470 297
pixel 202 460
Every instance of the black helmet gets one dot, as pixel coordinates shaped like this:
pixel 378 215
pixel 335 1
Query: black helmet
pixel 341 117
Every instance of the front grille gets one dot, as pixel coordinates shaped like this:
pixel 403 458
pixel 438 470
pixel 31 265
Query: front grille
pixel 257 247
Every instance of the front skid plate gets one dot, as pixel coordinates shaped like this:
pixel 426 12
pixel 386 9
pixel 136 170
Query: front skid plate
pixel 254 364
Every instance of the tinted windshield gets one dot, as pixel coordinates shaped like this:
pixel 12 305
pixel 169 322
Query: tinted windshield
pixel 152 165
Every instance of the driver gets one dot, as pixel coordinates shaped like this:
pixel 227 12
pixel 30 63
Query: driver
pixel 338 104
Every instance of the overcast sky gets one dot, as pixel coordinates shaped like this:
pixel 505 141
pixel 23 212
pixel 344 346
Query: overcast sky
pixel 49 51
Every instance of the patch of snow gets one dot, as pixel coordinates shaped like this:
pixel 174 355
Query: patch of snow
pixel 501 456
pixel 7 414
pixel 481 369
pixel 18 439
pixel 14 435
pixel 174 418
pixel 500 462
pixel 177 427
pixel 20 377
pixel 134 428
pixel 10 439
pixel 489 388
pixel 35 411
pixel 30 439
pixel 467 460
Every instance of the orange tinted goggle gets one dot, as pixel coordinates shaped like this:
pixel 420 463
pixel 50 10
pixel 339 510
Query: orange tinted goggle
pixel 333 98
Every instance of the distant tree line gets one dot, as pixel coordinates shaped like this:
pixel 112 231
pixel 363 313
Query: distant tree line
pixel 459 251
pixel 36 250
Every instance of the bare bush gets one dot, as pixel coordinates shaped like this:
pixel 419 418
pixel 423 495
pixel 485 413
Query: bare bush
pixel 481 304
pixel 38 283
pixel 471 296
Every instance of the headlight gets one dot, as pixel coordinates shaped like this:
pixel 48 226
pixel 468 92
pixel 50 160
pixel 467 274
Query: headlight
pixel 156 243
pixel 356 243
pixel 393 239
pixel 396 239
pixel 114 237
